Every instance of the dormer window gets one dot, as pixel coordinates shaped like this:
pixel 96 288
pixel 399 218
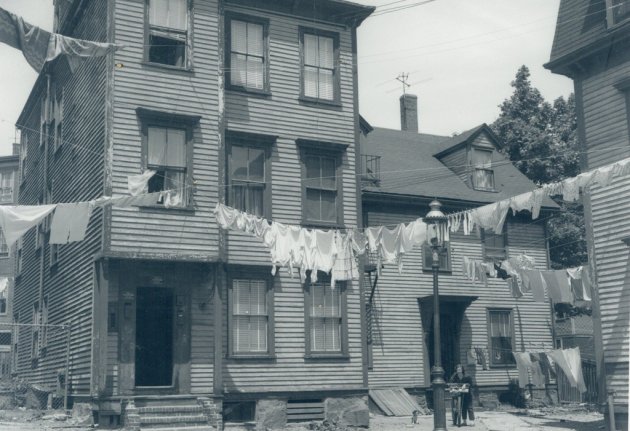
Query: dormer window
pixel 617 11
pixel 482 174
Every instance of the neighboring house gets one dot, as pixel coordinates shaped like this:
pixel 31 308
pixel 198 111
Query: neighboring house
pixel 8 172
pixel 592 47
pixel 165 308
pixel 463 171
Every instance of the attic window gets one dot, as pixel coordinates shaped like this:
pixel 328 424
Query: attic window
pixel 482 175
pixel 617 11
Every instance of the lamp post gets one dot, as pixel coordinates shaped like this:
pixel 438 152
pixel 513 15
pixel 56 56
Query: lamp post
pixel 436 218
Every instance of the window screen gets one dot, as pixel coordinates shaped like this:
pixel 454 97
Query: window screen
pixel 250 316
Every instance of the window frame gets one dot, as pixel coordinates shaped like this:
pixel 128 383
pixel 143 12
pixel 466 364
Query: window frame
pixel 35 332
pixel 426 248
pixel 342 287
pixel 238 272
pixel 489 312
pixel 150 118
pixel 264 22
pixel 610 16
pixel 259 141
pixel 323 149
pixel 6 305
pixel 58 120
pixel 484 247
pixel 336 100
pixel 188 51
pixel 474 169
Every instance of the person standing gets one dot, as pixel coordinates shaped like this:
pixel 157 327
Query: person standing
pixel 459 376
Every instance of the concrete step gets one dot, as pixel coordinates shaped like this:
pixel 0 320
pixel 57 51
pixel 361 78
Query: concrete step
pixel 172 409
pixel 172 419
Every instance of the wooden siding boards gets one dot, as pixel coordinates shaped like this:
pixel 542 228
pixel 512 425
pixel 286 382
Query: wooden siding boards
pixel 282 114
pixel 399 356
pixel 69 286
pixel 166 233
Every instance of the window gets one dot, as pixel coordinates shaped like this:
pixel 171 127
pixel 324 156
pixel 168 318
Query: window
pixel 4 248
pixel 5 338
pixel 250 311
pixel 15 337
pixel 44 323
pixel 248 178
pixel 483 175
pixel 18 257
pixel 247 53
pixel 58 120
pixel 325 319
pixel 320 189
pixel 445 258
pixel 500 334
pixel 617 11
pixel 54 254
pixel 43 122
pixel 35 331
pixel 23 154
pixel 320 72
pixel 494 245
pixel 3 302
pixel 168 32
pixel 166 154
pixel 6 185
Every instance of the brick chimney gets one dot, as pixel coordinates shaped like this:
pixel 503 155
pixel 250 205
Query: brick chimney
pixel 409 112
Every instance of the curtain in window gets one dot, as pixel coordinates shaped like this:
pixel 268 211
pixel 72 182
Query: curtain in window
pixel 248 179
pixel 247 56
pixel 169 13
pixel 249 316
pixel 321 188
pixel 326 318
pixel 501 337
pixel 319 67
pixel 167 147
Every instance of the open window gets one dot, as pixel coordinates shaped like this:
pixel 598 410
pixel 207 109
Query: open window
pixel 501 337
pixel 168 37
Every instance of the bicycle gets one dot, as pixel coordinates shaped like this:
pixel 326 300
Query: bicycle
pixel 457 392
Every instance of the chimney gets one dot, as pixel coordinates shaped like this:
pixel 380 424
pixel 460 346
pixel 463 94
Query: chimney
pixel 409 112
pixel 16 149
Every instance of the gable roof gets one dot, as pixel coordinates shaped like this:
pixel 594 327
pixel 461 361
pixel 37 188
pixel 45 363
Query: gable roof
pixel 409 166
pixel 581 30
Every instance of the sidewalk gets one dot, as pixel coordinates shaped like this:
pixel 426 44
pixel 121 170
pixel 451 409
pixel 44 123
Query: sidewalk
pixel 513 420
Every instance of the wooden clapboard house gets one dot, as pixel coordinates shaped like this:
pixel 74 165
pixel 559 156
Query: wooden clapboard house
pixel 249 103
pixel 403 171
pixel 591 46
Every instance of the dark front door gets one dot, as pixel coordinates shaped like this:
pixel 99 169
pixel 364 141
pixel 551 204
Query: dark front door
pixel 154 336
pixel 450 330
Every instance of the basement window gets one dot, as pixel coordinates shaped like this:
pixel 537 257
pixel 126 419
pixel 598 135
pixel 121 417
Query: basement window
pixel 168 32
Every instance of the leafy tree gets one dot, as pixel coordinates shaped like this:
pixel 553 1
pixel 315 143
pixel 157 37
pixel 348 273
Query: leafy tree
pixel 541 140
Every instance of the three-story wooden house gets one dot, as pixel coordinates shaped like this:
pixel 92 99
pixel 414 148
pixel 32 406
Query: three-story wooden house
pixel 591 46
pixel 235 101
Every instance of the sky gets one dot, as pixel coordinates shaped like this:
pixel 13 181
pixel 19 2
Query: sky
pixel 461 56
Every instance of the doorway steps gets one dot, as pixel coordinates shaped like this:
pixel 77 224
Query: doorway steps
pixel 171 413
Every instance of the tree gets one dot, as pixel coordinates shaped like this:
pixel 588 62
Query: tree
pixel 541 140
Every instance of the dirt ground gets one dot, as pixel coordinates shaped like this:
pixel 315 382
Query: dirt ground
pixel 556 419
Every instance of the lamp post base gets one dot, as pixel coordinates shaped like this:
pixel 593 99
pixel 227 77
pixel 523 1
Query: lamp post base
pixel 439 410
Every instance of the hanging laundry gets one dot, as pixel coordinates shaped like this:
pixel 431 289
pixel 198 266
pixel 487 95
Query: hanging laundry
pixel 455 222
pixel 326 251
pixel 536 284
pixel 571 190
pixel 172 199
pixel 70 222
pixel 558 286
pixel 604 175
pixel 137 184
pixel 481 358
pixel 4 283
pixel 580 283
pixel 547 369
pixel 489 269
pixel 359 241
pixel 523 363
pixel 537 199
pixel 521 202
pixel 15 221
pixel 390 244
pixel 39 46
pixel 414 234
pixel 373 235
pixel 148 199
pixel 514 287
pixel 570 363
pixel 491 216
pixel 345 266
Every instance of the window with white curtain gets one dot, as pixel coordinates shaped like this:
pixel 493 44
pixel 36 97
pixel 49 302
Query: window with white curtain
pixel 500 333
pixel 247 56
pixel 248 178
pixel 320 188
pixel 167 155
pixel 325 314
pixel 7 178
pixel 168 32
pixel 319 67
pixel 250 317
pixel 483 175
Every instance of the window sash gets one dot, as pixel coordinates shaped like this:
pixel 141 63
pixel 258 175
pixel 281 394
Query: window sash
pixel 247 54
pixel 500 328
pixel 166 146
pixel 250 316
pixel 318 69
pixel 326 319
pixel 321 188
pixel 248 172
pixel 445 261
pixel 619 10
pixel 483 179
pixel 494 245
pixel 171 14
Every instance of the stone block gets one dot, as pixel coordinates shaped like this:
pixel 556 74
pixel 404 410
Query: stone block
pixel 351 411
pixel 271 414
pixel 82 414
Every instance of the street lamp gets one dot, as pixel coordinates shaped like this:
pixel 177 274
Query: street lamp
pixel 436 218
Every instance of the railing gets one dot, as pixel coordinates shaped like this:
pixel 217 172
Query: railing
pixel 371 169
pixel 570 394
